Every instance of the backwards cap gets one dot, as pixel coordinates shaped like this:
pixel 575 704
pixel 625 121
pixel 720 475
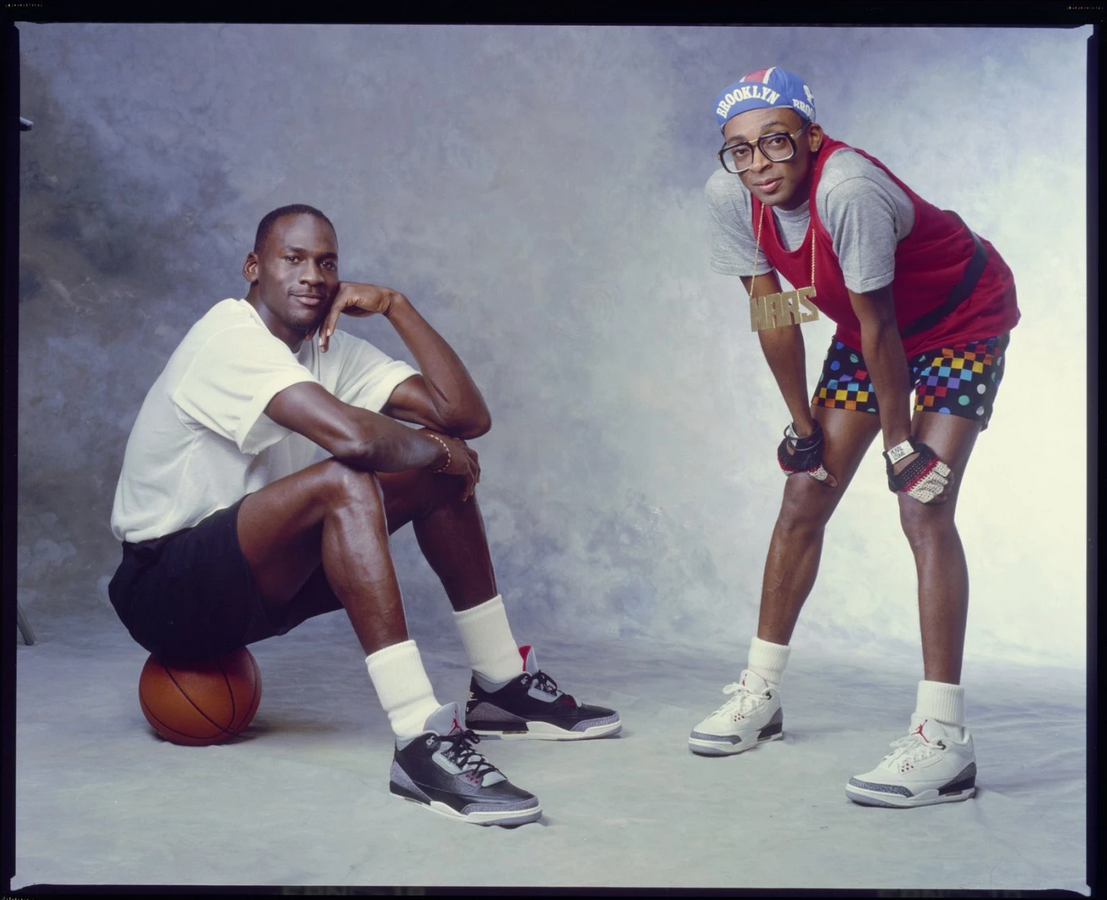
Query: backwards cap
pixel 763 89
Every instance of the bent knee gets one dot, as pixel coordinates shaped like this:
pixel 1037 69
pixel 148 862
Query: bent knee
pixel 342 484
pixel 923 523
pixel 807 504
pixel 421 491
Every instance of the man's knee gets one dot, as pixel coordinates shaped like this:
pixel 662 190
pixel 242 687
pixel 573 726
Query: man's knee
pixel 807 505
pixel 419 492
pixel 924 523
pixel 343 486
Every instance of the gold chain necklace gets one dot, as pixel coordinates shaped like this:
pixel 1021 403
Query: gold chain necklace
pixel 787 307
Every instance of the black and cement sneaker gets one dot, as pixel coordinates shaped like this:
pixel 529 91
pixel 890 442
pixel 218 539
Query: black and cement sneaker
pixel 531 707
pixel 441 770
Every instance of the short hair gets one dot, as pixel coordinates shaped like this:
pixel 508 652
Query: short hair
pixel 295 209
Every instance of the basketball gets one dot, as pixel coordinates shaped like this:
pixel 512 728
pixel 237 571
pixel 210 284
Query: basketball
pixel 201 703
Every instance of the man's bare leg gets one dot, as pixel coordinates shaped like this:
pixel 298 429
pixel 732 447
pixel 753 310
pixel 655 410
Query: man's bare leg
pixel 938 763
pixel 335 516
pixel 288 529
pixel 753 713
pixel 450 532
pixel 451 535
pixel 332 515
pixel 939 557
pixel 797 542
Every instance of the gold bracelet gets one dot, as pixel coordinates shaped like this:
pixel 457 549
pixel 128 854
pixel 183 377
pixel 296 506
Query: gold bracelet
pixel 446 464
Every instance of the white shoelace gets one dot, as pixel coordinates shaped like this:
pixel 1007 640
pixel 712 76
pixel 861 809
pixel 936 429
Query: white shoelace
pixel 911 746
pixel 743 700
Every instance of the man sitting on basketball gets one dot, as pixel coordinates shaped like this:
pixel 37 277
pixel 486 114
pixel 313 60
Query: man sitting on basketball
pixel 921 302
pixel 235 528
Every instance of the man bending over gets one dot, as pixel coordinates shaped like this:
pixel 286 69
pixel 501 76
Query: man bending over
pixel 924 309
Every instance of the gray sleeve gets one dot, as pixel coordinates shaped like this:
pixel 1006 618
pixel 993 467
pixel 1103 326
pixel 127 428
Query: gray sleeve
pixel 867 215
pixel 732 237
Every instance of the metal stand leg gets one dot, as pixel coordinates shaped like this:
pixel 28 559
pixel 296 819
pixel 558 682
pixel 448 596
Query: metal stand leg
pixel 24 625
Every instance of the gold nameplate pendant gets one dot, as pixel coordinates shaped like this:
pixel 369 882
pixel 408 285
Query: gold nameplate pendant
pixel 786 308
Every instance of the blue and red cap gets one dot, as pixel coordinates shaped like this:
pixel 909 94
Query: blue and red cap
pixel 765 88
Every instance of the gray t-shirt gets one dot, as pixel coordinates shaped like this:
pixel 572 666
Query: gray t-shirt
pixel 866 213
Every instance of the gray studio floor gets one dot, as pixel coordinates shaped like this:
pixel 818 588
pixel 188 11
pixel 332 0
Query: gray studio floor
pixel 302 798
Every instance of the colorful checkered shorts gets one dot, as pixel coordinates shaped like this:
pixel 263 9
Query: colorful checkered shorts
pixel 960 381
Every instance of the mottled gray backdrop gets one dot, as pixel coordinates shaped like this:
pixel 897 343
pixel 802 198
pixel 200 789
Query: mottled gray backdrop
pixel 537 191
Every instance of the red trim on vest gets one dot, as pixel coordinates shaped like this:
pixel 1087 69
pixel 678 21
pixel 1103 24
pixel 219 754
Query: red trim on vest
pixel 928 263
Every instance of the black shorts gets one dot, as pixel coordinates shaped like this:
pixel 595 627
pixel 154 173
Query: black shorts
pixel 190 595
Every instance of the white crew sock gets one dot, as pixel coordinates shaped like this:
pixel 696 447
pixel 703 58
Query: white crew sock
pixel 941 701
pixel 488 641
pixel 403 688
pixel 768 660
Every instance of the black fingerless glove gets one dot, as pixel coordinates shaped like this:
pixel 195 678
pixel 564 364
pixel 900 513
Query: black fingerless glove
pixel 924 478
pixel 807 452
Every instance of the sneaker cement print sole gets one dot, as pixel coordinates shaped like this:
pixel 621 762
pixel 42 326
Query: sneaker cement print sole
pixel 934 763
pixel 752 716
pixel 703 744
pixel 868 793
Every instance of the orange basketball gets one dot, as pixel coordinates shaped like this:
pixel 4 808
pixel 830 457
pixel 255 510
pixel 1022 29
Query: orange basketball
pixel 203 702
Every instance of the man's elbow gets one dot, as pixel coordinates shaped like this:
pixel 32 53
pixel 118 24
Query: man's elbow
pixel 471 426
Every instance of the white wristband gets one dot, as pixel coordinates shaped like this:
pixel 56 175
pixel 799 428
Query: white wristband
pixel 899 451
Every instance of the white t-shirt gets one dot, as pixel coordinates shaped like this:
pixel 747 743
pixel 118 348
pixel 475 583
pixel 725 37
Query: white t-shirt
pixel 865 212
pixel 202 441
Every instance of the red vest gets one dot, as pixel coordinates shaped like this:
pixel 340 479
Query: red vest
pixel 929 262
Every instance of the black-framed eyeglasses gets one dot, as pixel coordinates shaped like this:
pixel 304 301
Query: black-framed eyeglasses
pixel 775 147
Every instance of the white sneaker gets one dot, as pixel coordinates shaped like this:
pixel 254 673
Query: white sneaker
pixel 751 715
pixel 935 763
